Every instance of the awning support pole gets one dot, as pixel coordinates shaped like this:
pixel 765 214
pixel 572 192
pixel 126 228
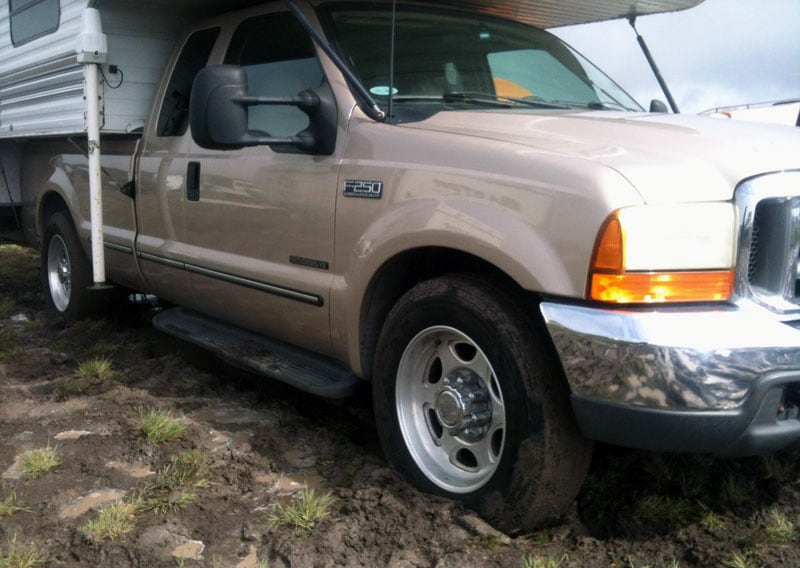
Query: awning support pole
pixel 92 50
pixel 656 71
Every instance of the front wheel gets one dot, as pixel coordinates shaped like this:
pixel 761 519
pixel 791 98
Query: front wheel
pixel 471 404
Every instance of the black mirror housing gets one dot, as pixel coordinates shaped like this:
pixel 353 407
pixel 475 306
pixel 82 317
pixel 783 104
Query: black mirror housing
pixel 217 121
pixel 218 113
pixel 658 106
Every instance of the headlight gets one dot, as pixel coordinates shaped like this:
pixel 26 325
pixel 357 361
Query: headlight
pixel 665 253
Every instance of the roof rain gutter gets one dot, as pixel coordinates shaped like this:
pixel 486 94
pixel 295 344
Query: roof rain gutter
pixel 656 71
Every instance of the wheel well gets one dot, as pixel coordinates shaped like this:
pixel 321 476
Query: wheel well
pixel 51 203
pixel 403 272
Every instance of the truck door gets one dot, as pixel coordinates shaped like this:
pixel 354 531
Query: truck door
pixel 160 183
pixel 260 221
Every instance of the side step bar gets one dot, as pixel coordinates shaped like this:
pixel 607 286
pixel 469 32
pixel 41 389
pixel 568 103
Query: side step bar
pixel 301 369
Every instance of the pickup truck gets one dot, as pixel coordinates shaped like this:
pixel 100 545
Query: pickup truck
pixel 473 219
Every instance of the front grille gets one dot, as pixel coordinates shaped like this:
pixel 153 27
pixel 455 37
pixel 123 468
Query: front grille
pixel 769 256
pixel 774 248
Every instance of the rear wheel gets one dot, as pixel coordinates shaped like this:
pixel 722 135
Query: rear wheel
pixel 66 273
pixel 471 403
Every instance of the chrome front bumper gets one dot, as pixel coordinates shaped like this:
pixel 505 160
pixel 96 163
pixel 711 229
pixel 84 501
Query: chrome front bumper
pixel 723 381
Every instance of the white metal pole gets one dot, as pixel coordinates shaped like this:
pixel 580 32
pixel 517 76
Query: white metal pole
pixel 95 175
pixel 92 49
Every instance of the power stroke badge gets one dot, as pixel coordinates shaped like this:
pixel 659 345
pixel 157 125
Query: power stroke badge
pixel 363 188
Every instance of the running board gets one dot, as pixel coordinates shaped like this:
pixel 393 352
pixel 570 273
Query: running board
pixel 301 369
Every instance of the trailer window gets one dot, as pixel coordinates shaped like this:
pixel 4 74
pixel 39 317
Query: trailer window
pixel 279 59
pixel 32 19
pixel 173 120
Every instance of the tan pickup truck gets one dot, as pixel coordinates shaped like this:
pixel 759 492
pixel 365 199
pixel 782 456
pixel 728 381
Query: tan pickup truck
pixel 474 219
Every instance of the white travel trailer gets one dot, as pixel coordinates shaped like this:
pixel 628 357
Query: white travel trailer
pixel 48 49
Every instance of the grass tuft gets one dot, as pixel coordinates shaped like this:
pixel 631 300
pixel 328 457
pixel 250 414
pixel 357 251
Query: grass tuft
pixel 16 556
pixel 112 521
pixel 36 463
pixel 160 427
pixel 90 375
pixel 304 513
pixel 664 511
pixel 543 562
pixel 173 487
pixel 780 530
pixel 9 506
pixel 736 491
pixel 711 521
pixel 776 468
pixel 741 560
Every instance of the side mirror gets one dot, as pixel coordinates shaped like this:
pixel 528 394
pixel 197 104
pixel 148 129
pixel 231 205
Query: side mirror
pixel 219 109
pixel 658 106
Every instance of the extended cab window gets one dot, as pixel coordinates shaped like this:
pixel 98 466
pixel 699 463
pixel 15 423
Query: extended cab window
pixel 173 120
pixel 31 19
pixel 279 59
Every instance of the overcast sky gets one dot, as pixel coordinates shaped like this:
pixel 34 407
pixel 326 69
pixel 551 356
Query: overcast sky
pixel 723 52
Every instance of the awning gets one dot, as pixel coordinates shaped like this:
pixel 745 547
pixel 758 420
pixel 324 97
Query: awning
pixel 553 13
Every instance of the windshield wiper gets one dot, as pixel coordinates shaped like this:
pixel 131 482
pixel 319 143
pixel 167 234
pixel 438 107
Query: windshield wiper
pixel 496 100
pixel 475 97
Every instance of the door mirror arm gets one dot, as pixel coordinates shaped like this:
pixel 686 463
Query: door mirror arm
pixel 219 113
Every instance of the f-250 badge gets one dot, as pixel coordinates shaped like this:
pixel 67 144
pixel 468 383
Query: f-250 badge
pixel 363 188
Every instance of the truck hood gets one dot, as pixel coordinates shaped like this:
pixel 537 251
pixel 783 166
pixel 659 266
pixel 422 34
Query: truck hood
pixel 667 158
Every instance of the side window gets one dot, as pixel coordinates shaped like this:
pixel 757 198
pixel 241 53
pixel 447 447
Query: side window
pixel 173 120
pixel 278 57
pixel 32 19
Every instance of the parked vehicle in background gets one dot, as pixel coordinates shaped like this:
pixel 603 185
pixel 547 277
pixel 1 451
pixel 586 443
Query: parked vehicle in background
pixel 437 198
pixel 780 112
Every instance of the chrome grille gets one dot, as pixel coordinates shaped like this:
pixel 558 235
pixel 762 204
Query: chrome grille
pixel 769 252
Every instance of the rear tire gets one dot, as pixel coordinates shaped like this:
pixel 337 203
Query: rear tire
pixel 66 272
pixel 471 403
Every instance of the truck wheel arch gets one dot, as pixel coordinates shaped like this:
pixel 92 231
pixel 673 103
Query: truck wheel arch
pixel 399 274
pixel 51 201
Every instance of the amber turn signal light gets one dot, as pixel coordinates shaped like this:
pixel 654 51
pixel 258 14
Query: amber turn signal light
pixel 609 281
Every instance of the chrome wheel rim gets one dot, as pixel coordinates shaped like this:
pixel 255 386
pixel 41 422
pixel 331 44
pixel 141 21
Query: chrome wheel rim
pixel 59 273
pixel 450 409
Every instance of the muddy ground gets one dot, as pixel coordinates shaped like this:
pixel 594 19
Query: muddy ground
pixel 262 445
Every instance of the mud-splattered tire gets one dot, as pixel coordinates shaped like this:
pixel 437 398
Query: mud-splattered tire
pixel 66 272
pixel 471 403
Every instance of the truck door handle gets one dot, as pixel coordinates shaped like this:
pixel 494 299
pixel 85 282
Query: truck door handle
pixel 193 181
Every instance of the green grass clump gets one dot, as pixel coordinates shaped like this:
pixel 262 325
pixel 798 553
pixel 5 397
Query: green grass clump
pixel 9 506
pixel 21 558
pixel 664 511
pixel 742 560
pixel 174 485
pixel 304 513
pixel 542 562
pixel 90 375
pixel 736 490
pixel 112 521
pixel 160 427
pixel 36 463
pixel 780 530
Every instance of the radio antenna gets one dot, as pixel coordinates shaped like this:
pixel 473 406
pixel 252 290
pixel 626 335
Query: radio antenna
pixel 390 109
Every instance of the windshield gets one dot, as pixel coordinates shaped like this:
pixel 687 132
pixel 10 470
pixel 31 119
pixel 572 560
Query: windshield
pixel 452 60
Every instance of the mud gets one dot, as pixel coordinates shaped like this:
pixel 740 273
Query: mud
pixel 267 444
